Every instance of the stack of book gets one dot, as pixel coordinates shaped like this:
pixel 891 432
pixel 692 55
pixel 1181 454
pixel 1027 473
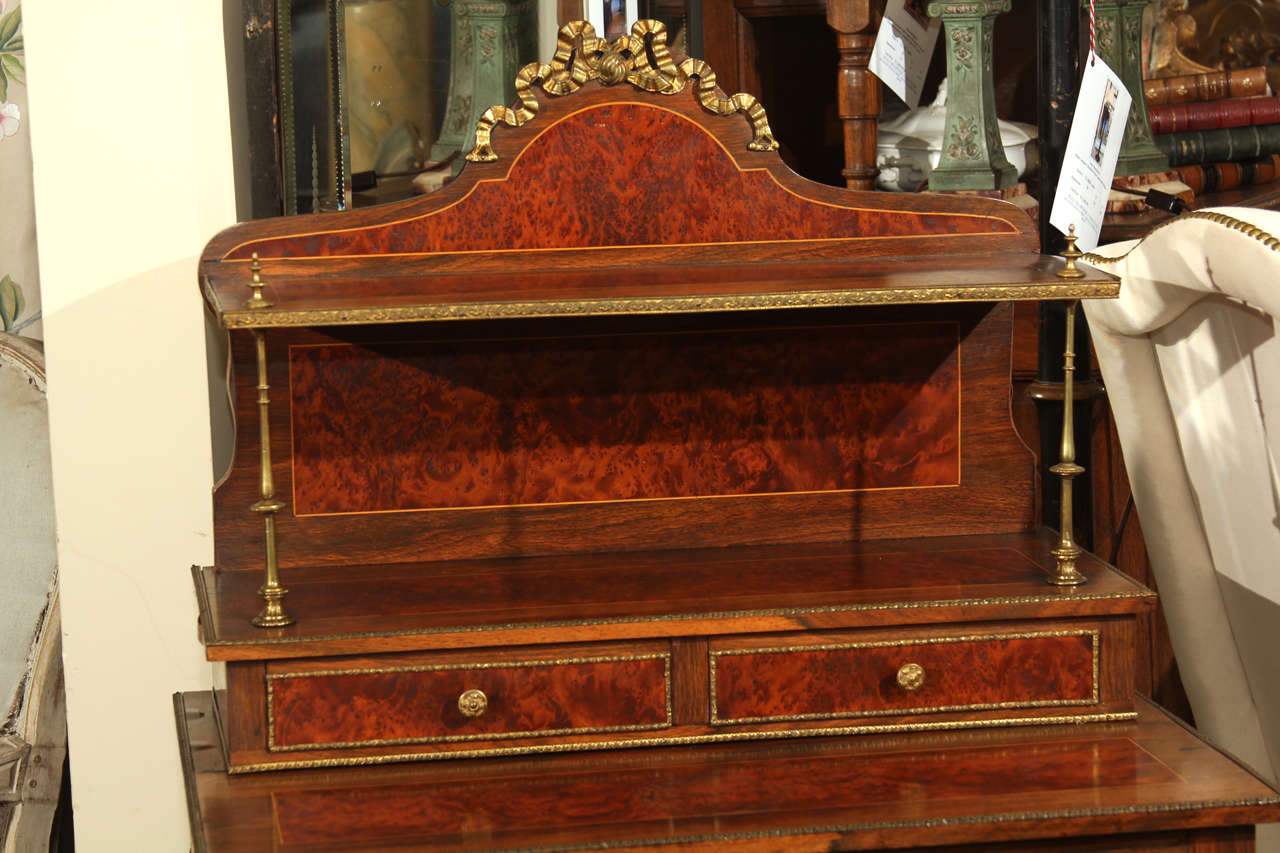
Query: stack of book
pixel 1220 130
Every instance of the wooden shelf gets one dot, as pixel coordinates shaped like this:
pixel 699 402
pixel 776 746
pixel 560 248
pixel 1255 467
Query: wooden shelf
pixel 1151 782
pixel 303 294
pixel 670 211
pixel 699 592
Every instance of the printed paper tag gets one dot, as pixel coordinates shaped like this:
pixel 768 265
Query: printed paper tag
pixel 903 48
pixel 1089 162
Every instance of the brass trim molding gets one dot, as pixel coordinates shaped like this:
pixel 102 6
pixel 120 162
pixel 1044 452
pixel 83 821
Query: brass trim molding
pixel 288 127
pixel 1094 635
pixel 665 657
pixel 641 59
pixel 276 317
pixel 719 737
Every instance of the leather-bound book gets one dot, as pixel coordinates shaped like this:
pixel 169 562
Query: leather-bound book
pixel 1213 177
pixel 1211 115
pixel 1226 145
pixel 1211 86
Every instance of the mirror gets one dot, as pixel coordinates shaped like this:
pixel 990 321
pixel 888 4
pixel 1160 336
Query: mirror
pixel 372 94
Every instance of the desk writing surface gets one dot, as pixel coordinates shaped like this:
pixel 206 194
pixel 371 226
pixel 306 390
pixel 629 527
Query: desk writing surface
pixel 1032 785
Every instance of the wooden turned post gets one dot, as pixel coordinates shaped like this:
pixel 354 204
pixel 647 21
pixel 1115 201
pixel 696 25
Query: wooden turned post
pixel 857 89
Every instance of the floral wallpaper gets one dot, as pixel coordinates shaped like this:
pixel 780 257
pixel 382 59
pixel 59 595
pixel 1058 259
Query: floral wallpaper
pixel 19 277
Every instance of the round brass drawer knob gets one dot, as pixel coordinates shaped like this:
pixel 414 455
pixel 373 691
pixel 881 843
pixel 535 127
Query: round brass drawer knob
pixel 911 676
pixel 473 703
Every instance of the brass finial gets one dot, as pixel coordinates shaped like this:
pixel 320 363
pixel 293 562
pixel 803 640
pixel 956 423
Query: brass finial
pixel 1071 253
pixel 256 301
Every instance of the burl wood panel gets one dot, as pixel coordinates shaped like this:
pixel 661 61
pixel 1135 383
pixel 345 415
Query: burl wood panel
pixel 862 681
pixel 623 174
pixel 993 495
pixel 404 426
pixel 627 191
pixel 408 705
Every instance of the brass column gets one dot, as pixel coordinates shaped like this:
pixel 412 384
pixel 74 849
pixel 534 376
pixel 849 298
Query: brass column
pixel 273 614
pixel 1067 552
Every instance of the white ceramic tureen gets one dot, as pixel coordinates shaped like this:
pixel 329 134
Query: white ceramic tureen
pixel 908 147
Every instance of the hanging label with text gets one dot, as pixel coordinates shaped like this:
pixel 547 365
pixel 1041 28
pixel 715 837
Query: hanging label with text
pixel 903 48
pixel 1093 145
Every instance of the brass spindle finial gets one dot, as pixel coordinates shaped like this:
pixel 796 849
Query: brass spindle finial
pixel 257 300
pixel 1071 254
pixel 1067 552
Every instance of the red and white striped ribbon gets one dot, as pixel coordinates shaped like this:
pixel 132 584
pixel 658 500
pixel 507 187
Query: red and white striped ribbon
pixel 1093 34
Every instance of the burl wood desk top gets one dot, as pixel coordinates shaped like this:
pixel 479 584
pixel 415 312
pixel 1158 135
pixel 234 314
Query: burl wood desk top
pixel 1150 784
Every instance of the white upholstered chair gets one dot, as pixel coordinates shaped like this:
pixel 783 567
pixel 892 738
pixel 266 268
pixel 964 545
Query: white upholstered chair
pixel 1190 355
pixel 33 730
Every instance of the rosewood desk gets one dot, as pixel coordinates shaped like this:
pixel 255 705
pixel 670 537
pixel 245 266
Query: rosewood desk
pixel 633 491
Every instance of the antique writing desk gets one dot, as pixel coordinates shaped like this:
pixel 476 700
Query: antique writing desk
pixel 631 437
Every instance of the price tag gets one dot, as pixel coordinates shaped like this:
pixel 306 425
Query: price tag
pixel 1093 145
pixel 903 48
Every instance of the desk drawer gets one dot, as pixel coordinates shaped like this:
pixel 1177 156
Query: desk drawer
pixel 917 675
pixel 415 702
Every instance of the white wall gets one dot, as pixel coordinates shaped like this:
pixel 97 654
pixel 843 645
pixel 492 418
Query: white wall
pixel 133 174
pixel 547 30
pixel 132 163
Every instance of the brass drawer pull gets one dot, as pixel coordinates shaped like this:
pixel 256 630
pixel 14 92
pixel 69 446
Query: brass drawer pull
pixel 911 676
pixel 472 703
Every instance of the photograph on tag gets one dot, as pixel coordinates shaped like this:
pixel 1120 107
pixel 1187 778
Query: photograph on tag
pixel 1105 116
